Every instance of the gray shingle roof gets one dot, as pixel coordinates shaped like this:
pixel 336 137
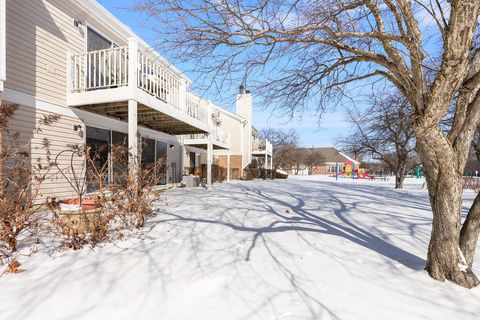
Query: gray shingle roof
pixel 330 154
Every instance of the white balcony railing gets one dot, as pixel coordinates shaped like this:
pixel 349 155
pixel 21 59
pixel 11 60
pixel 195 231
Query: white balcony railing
pixel 100 69
pixel 261 146
pixel 219 135
pixel 157 80
pixel 109 68
pixel 195 106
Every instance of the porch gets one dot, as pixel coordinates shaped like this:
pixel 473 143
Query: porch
pixel 262 154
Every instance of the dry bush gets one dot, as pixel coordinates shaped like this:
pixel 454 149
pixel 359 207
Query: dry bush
pixel 124 200
pixel 20 179
pixel 258 173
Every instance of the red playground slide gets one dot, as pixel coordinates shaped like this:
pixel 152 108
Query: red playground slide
pixel 365 176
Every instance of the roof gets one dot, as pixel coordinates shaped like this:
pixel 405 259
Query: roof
pixel 330 154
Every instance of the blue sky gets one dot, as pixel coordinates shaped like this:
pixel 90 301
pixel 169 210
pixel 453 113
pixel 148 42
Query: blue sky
pixel 312 132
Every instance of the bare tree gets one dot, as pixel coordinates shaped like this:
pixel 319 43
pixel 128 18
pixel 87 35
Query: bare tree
pixel 313 158
pixel 283 144
pixel 279 137
pixel 313 50
pixel 384 132
pixel 285 157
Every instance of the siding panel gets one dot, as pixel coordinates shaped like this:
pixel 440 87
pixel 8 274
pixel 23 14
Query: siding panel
pixel 39 35
pixel 59 135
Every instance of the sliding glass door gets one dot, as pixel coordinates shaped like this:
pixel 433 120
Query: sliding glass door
pixel 120 158
pixel 98 141
pixel 161 158
pixel 108 151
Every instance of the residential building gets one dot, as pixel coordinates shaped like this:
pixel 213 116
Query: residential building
pixel 75 59
pixel 236 142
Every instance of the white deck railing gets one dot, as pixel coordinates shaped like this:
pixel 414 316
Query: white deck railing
pixel 264 145
pixel 109 68
pixel 99 69
pixel 156 79
pixel 196 106
pixel 219 135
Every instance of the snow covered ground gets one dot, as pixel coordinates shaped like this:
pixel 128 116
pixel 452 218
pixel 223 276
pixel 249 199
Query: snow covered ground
pixel 304 248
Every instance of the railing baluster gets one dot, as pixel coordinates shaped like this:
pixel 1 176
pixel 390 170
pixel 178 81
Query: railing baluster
pixel 115 67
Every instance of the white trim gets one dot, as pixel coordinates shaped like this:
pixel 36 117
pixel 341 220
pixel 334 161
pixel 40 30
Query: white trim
pixel 88 118
pixel 108 38
pixel 354 161
pixel 229 113
pixel 200 141
pixel 99 96
pixel 125 94
pixel 157 104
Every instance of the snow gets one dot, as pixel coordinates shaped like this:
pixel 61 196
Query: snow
pixel 304 248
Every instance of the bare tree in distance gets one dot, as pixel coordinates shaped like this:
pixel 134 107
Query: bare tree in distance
pixel 283 143
pixel 383 132
pixel 302 51
pixel 279 137
pixel 313 158
pixel 286 158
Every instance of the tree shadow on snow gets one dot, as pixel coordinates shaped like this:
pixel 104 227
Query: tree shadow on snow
pixel 302 219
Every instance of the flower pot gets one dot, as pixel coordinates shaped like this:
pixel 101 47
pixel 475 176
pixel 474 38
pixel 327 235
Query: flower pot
pixel 79 219
pixel 87 203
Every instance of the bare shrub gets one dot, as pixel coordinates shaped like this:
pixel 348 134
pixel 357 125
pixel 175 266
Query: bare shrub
pixel 20 179
pixel 123 201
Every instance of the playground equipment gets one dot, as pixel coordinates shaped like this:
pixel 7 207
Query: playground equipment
pixel 418 171
pixel 349 171
pixel 362 173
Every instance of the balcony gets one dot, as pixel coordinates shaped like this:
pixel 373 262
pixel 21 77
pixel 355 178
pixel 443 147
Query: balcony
pixel 262 148
pixel 104 81
pixel 220 140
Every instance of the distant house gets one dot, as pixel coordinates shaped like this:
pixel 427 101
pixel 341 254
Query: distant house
pixel 328 158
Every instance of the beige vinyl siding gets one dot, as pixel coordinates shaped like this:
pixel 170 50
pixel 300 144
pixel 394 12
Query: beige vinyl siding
pixel 39 35
pixel 234 128
pixel 59 135
pixel 174 155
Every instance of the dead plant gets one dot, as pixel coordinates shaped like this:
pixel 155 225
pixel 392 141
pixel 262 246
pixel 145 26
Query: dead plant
pixel 20 178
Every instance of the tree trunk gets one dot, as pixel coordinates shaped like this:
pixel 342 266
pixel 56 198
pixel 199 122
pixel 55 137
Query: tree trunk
pixel 399 178
pixel 445 260
pixel 470 231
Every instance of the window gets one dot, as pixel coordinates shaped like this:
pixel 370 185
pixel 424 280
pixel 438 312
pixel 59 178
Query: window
pixel 193 165
pixel 154 153
pixel 98 75
pixel 98 141
pixel 333 169
pixel 103 143
pixel 161 158
pixel 96 41
pixel 120 161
